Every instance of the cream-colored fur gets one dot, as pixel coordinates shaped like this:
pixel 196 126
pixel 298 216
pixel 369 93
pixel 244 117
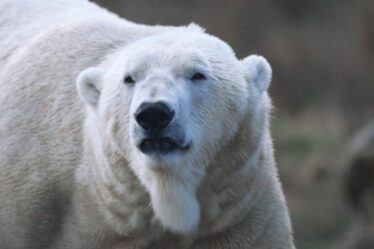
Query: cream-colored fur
pixel 71 175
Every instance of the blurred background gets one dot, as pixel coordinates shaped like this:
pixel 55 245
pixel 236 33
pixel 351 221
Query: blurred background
pixel 322 54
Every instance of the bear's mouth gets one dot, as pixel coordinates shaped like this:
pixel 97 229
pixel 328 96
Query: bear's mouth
pixel 162 145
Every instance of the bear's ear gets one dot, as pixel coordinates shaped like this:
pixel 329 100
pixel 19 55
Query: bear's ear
pixel 195 27
pixel 88 85
pixel 258 71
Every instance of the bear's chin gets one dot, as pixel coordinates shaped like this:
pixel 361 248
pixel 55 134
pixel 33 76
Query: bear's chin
pixel 175 206
pixel 164 162
pixel 172 188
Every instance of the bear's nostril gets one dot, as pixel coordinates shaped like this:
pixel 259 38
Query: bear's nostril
pixel 154 116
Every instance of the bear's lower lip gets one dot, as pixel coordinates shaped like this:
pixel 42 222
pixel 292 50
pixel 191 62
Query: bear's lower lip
pixel 161 146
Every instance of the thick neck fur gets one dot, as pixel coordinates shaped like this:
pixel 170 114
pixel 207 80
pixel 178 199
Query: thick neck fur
pixel 116 191
pixel 232 186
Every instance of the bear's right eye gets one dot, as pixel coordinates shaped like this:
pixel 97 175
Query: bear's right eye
pixel 129 80
pixel 198 77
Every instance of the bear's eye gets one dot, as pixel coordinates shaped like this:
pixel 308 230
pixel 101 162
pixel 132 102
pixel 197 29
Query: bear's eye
pixel 129 80
pixel 198 77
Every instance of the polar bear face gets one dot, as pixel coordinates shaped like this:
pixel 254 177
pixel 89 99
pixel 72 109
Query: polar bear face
pixel 167 104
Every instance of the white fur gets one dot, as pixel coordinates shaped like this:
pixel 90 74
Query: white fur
pixel 87 85
pixel 258 71
pixel 176 206
pixel 74 177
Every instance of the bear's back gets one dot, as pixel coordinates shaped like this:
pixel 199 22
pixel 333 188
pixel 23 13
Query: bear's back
pixel 41 114
pixel 38 99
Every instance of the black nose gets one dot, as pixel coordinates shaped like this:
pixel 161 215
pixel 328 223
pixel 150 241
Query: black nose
pixel 154 116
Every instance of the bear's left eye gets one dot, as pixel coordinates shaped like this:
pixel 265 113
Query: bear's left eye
pixel 129 80
pixel 198 77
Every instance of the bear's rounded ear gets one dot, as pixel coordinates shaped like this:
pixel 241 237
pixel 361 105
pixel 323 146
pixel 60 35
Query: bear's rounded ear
pixel 258 71
pixel 195 27
pixel 88 85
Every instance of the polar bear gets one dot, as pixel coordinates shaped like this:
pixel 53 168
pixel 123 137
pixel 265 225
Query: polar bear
pixel 120 135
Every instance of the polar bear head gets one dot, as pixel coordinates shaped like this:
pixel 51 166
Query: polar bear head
pixel 167 104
